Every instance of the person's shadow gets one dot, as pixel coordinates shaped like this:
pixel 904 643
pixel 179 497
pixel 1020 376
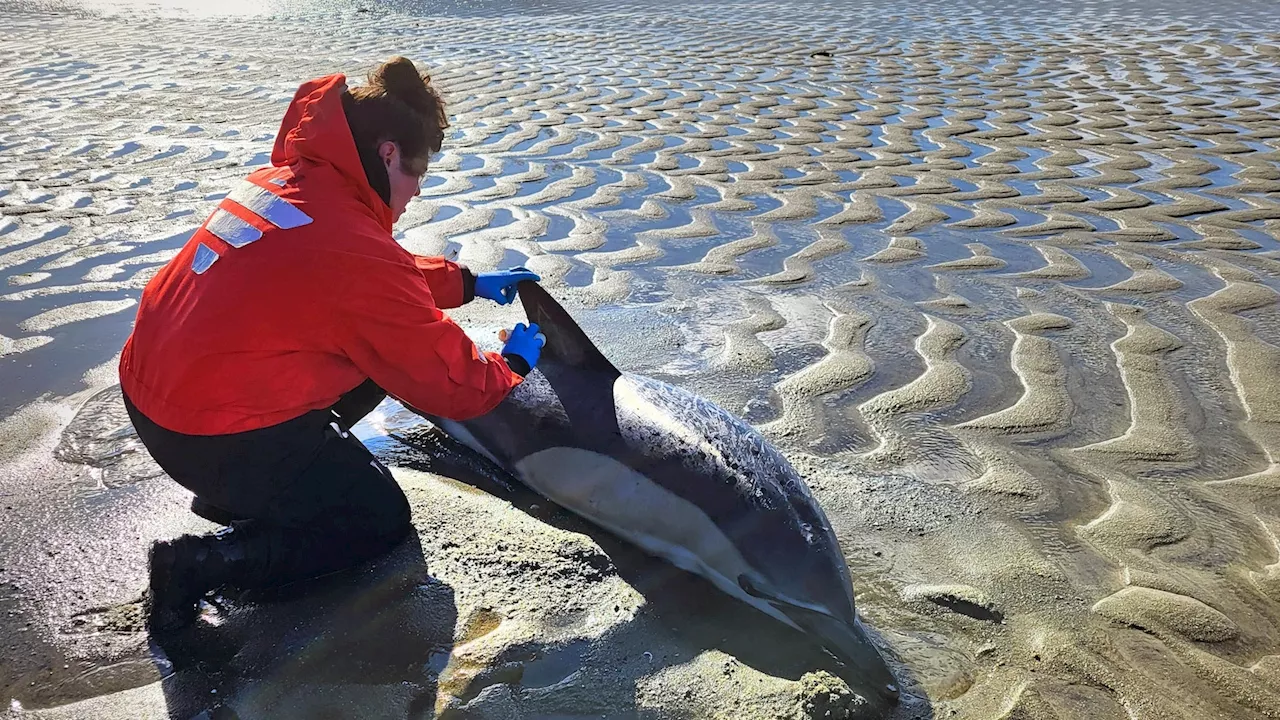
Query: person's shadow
pixel 368 642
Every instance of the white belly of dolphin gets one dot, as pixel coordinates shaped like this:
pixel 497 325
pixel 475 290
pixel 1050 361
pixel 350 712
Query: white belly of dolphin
pixel 642 512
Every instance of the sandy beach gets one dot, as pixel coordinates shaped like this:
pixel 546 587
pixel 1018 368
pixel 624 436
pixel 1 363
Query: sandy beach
pixel 1000 279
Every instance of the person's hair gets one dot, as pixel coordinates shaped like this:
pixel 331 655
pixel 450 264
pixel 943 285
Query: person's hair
pixel 399 104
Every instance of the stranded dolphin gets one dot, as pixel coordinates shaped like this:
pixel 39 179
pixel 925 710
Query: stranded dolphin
pixel 680 478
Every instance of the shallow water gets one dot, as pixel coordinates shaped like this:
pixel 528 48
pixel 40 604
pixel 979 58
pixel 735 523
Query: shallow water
pixel 999 279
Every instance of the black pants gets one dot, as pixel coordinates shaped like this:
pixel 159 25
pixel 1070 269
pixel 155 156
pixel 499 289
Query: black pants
pixel 309 498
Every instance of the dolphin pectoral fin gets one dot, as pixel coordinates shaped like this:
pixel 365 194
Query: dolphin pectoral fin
pixel 760 589
pixel 757 589
pixel 847 641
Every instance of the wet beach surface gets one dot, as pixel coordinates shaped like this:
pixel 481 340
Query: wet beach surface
pixel 999 278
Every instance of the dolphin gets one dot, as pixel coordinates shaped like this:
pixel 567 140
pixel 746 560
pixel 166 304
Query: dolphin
pixel 679 477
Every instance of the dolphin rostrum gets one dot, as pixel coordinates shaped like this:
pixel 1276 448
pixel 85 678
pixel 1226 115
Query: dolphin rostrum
pixel 679 477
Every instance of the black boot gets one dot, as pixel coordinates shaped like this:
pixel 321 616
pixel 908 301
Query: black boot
pixel 213 513
pixel 185 569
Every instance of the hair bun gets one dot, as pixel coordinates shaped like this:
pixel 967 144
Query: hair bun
pixel 400 79
pixel 397 103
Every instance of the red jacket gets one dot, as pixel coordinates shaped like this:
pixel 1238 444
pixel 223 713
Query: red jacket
pixel 294 292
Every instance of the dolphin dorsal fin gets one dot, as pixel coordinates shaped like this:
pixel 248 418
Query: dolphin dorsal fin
pixel 566 344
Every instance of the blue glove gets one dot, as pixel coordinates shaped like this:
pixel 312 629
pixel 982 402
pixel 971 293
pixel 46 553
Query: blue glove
pixel 523 347
pixel 500 286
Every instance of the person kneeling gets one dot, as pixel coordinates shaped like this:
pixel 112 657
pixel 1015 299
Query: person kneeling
pixel 287 317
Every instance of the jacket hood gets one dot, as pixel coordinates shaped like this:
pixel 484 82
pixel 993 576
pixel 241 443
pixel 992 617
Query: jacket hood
pixel 315 128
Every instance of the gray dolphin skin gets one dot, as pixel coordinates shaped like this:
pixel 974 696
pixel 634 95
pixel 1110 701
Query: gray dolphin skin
pixel 679 477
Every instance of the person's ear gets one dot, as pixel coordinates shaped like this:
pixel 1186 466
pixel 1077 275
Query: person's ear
pixel 387 150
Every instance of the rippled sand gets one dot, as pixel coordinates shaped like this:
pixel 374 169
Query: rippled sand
pixel 1000 279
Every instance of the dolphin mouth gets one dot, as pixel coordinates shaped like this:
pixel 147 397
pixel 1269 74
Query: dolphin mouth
pixel 849 643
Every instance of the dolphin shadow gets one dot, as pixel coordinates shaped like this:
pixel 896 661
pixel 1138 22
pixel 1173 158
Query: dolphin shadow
pixel 368 642
pixel 699 616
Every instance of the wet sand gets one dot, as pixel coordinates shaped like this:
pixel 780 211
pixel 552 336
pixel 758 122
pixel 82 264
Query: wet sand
pixel 1000 279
